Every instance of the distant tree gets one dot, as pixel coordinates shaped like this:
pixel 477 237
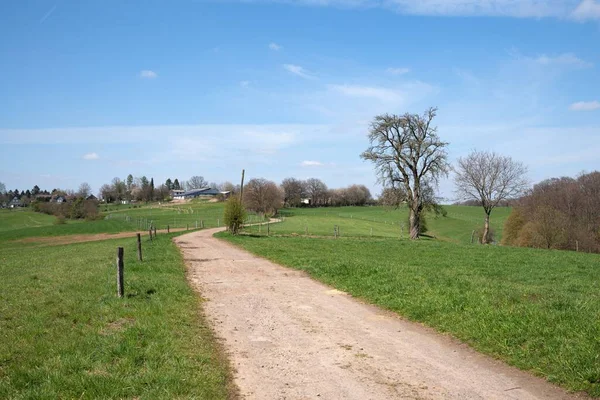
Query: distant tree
pixel 107 193
pixel 151 190
pixel 408 152
pixel 317 191
pixel 129 182
pixel 294 190
pixel 176 185
pixel 35 191
pixel 229 187
pixel 490 179
pixel 119 189
pixel 169 184
pixel 392 197
pixel 196 182
pixel 28 194
pixel 84 190
pixel 2 188
pixel 263 196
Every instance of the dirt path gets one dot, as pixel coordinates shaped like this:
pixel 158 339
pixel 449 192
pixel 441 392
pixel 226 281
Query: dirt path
pixel 289 337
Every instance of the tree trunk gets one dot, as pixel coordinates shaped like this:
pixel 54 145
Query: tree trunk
pixel 486 230
pixel 415 223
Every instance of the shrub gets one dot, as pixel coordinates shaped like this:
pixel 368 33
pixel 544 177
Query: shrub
pixel 235 214
pixel 513 225
pixel 60 220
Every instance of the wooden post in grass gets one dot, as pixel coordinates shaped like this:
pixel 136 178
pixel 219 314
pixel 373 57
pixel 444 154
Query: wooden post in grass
pixel 472 235
pixel 335 231
pixel 154 230
pixel 168 229
pixel 120 283
pixel 268 228
pixel 150 233
pixel 139 246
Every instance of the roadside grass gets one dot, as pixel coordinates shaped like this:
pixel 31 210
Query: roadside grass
pixel 536 309
pixel 65 334
pixel 390 222
pixel 22 218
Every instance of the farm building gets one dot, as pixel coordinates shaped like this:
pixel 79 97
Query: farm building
pixel 204 192
pixel 92 197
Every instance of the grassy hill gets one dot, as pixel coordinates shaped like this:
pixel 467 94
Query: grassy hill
pixel 382 222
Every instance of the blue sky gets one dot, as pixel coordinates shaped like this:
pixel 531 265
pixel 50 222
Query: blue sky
pixel 90 90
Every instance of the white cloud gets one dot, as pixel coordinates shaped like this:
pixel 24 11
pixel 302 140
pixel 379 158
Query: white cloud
pixel 459 8
pixel 298 70
pixel 379 93
pixel 275 47
pixel 308 163
pixel 91 156
pixel 586 10
pixel 565 59
pixel 148 74
pixel 585 106
pixel 398 71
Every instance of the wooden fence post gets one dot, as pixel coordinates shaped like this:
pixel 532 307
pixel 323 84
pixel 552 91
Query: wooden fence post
pixel 120 283
pixel 168 229
pixel 335 231
pixel 150 233
pixel 472 234
pixel 139 246
pixel 154 230
pixel 268 228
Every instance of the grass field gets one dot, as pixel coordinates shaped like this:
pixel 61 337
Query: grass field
pixel 22 218
pixel 383 222
pixel 207 214
pixel 538 310
pixel 65 334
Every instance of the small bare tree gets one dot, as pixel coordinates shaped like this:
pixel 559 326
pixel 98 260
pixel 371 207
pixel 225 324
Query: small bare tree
pixel 408 152
pixel 489 179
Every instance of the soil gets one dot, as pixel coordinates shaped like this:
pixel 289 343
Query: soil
pixel 290 337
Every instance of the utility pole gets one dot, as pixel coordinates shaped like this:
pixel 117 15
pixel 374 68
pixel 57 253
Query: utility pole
pixel 242 187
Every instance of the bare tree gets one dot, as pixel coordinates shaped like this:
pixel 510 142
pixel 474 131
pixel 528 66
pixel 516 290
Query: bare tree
pixel 490 179
pixel 408 152
pixel 196 182
pixel 294 190
pixel 84 190
pixel 317 191
pixel 263 196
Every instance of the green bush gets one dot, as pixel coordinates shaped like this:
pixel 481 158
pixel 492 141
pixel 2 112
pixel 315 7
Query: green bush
pixel 235 214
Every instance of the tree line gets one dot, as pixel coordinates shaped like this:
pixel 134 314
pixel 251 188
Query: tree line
pixel 558 213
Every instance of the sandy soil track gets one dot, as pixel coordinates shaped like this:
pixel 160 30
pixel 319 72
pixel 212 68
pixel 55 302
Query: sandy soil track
pixel 290 337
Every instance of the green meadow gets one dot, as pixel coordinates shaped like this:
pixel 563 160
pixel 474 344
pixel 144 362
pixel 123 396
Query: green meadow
pixel 538 310
pixel 65 334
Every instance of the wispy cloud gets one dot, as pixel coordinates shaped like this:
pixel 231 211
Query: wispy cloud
pixel 275 47
pixel 565 59
pixel 462 8
pixel 298 71
pixel 91 156
pixel 309 163
pixel 48 14
pixel 373 92
pixel 148 74
pixel 585 106
pixel 245 84
pixel 398 71
pixel 587 10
